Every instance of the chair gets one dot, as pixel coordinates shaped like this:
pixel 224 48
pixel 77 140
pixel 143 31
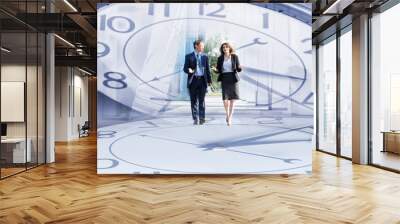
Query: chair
pixel 84 130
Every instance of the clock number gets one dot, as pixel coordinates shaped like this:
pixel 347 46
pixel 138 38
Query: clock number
pixel 151 9
pixel 114 163
pixel 110 23
pixel 104 52
pixel 214 13
pixel 106 134
pixel 120 84
pixel 265 21
pixel 307 51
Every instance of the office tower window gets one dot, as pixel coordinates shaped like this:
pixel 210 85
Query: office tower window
pixel 385 89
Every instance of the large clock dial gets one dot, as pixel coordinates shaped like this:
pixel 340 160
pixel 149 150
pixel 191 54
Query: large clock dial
pixel 153 61
pixel 155 72
pixel 141 52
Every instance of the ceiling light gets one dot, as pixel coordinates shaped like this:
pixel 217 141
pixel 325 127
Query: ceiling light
pixel 331 7
pixel 84 71
pixel 5 50
pixel 70 5
pixel 64 40
pixel 338 6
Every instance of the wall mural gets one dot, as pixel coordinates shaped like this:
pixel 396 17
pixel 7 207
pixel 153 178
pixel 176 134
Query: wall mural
pixel 145 123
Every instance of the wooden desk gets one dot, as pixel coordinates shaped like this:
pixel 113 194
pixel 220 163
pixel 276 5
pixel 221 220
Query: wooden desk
pixel 13 150
pixel 391 141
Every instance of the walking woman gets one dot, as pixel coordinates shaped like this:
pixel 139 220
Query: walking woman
pixel 228 67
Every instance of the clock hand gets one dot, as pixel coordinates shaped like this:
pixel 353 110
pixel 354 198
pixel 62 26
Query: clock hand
pixel 268 73
pixel 158 78
pixel 255 41
pixel 263 86
pixel 245 141
pixel 219 145
pixel 270 122
pixel 271 157
pixel 152 125
pixel 168 139
pixel 306 100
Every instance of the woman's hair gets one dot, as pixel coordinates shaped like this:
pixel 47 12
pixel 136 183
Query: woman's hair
pixel 226 44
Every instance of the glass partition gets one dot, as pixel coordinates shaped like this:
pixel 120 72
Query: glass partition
pixel 41 97
pixel 13 109
pixel 327 96
pixel 22 77
pixel 346 93
pixel 385 89
pixel 31 98
pixel 32 84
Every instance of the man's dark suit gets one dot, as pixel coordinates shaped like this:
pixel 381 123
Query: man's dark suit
pixel 197 85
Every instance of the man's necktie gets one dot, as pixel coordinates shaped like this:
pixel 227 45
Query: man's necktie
pixel 198 60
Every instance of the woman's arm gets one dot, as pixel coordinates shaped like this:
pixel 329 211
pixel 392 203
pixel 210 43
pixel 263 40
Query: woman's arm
pixel 238 66
pixel 208 72
pixel 219 65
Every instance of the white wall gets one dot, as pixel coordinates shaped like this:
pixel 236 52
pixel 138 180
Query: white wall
pixel 80 110
pixel 17 73
pixel 33 126
pixel 71 102
pixel 61 103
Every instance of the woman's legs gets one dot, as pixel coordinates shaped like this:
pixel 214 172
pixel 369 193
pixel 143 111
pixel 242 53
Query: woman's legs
pixel 226 106
pixel 230 113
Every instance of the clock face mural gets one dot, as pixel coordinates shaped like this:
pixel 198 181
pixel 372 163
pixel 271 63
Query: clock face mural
pixel 144 115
